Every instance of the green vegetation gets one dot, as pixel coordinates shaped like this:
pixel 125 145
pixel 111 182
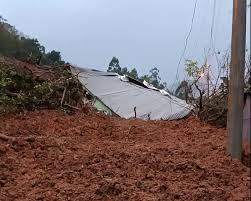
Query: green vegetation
pixel 21 92
pixel 16 45
pixel 153 77
pixel 21 89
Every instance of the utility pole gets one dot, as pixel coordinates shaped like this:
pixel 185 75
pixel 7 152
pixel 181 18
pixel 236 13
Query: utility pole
pixel 236 87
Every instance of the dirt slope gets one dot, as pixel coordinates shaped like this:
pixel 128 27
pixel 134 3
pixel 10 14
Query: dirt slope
pixel 93 157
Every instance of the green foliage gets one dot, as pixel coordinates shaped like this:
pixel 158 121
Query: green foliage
pixel 133 73
pixel 52 58
pixel 146 78
pixel 153 77
pixel 163 86
pixel 15 44
pixel 124 71
pixel 192 68
pixel 20 91
pixel 114 66
pixel 184 90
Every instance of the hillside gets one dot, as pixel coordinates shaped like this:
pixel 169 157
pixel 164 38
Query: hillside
pixel 17 45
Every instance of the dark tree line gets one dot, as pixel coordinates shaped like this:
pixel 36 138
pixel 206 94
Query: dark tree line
pixel 17 45
pixel 153 77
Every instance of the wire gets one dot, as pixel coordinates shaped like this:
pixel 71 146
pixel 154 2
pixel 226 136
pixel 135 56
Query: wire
pixel 186 42
pixel 212 24
pixel 211 42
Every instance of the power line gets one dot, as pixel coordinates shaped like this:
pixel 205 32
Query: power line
pixel 212 24
pixel 186 42
pixel 211 41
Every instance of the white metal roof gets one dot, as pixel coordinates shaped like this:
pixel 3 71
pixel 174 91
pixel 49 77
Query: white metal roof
pixel 121 95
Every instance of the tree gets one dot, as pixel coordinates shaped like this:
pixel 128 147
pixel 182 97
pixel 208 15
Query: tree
pixel 2 19
pixel 192 68
pixel 124 71
pixel 154 77
pixel 53 57
pixel 146 78
pixel 114 66
pixel 184 90
pixel 17 45
pixel 196 73
pixel 133 73
pixel 163 86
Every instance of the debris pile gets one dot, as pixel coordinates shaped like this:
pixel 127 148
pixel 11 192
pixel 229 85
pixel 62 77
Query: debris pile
pixel 48 155
pixel 214 110
pixel 25 86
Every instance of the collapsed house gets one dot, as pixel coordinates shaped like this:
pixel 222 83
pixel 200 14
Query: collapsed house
pixel 126 97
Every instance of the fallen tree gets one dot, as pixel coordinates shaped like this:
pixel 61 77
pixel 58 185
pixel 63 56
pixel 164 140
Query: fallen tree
pixel 25 86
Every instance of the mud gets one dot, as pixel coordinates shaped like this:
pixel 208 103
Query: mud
pixel 94 157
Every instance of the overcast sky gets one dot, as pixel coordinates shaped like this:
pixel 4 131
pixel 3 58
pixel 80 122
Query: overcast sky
pixel 141 33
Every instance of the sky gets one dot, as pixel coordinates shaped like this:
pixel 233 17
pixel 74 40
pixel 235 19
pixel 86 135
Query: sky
pixel 141 33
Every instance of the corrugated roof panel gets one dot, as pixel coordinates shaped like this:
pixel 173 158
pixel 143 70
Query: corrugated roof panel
pixel 121 97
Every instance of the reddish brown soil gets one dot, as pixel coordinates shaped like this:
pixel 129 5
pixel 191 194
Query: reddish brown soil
pixel 94 157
